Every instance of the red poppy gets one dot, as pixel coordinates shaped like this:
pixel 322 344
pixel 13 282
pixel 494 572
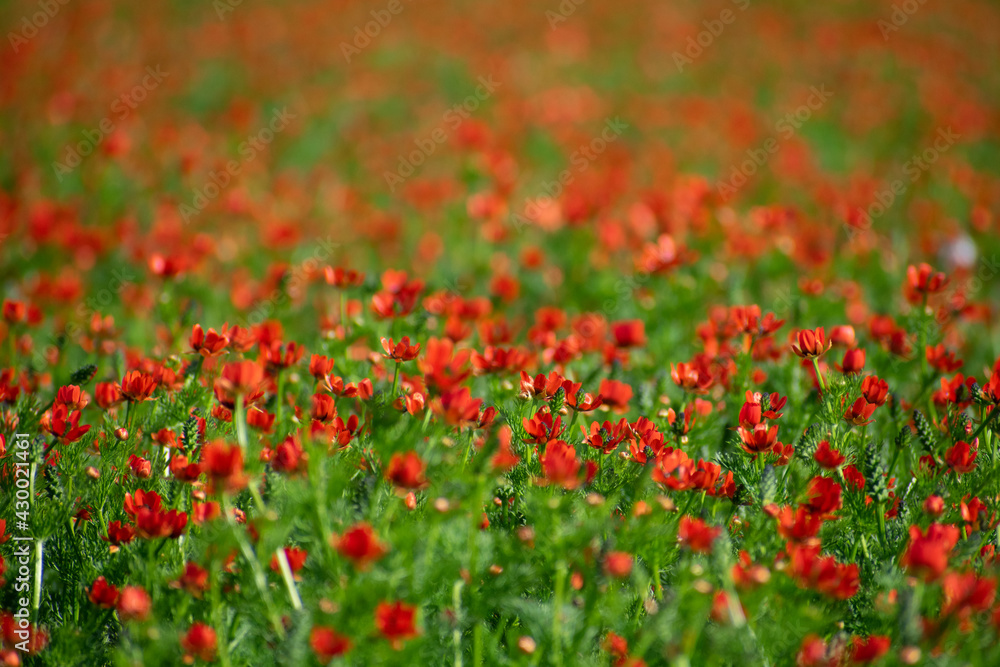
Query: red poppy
pixel 962 456
pixel 697 535
pixel 927 554
pixel 560 465
pixel 827 457
pixel 618 564
pixel 824 496
pixel 396 622
pixel 328 644
pixel 615 394
pixel 406 471
pixel 200 641
pixel 103 594
pixel 922 281
pixel 360 545
pixel 134 604
pixel 222 463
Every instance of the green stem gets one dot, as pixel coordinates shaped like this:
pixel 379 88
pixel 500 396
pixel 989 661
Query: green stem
pixel 819 376
pixel 557 605
pixel 395 381
pixel 986 422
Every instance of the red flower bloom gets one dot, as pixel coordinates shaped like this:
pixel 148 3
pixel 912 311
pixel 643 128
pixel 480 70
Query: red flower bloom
pixel 874 390
pixel 222 463
pixel 119 534
pixel 853 363
pixel 697 535
pixel 360 545
pixel 618 564
pixel 615 394
pixel 941 359
pixel 927 554
pixel 103 594
pixel 208 345
pixel 194 580
pixel 200 642
pixel 560 465
pixel 401 351
pixel 629 333
pixel 134 604
pixel 828 458
pixel 859 413
pixel 691 377
pixel 922 281
pixel 327 644
pixel 824 496
pixel 542 427
pixel 962 457
pixel 868 650
pixel 406 471
pixel 811 343
pixel 137 386
pixel 396 622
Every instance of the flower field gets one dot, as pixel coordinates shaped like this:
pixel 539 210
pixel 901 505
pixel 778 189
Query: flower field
pixel 502 333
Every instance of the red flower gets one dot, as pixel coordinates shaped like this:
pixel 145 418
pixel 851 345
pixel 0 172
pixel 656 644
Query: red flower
pixel 542 427
pixel 396 622
pixel 691 377
pixel 811 344
pixel 154 524
pixel 320 367
pixel 324 408
pixel 137 386
pixel 103 594
pixel 134 604
pixel 697 535
pixel 966 593
pixel 962 457
pixel 327 644
pixel 406 471
pixel 615 394
pixel 824 496
pixel 828 458
pixel 289 457
pixel 208 345
pixel 222 463
pixel 618 564
pixel 629 333
pixel 240 378
pixel 800 526
pixel 922 281
pixel 941 359
pixel 119 534
pixel 927 554
pixel 401 351
pixel 859 413
pixel 758 439
pixel 194 580
pixel 13 311
pixel 200 641
pixel 560 465
pixel 874 390
pixel 72 397
pixel 360 545
pixel 853 363
pixel 870 649
pixel 108 394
